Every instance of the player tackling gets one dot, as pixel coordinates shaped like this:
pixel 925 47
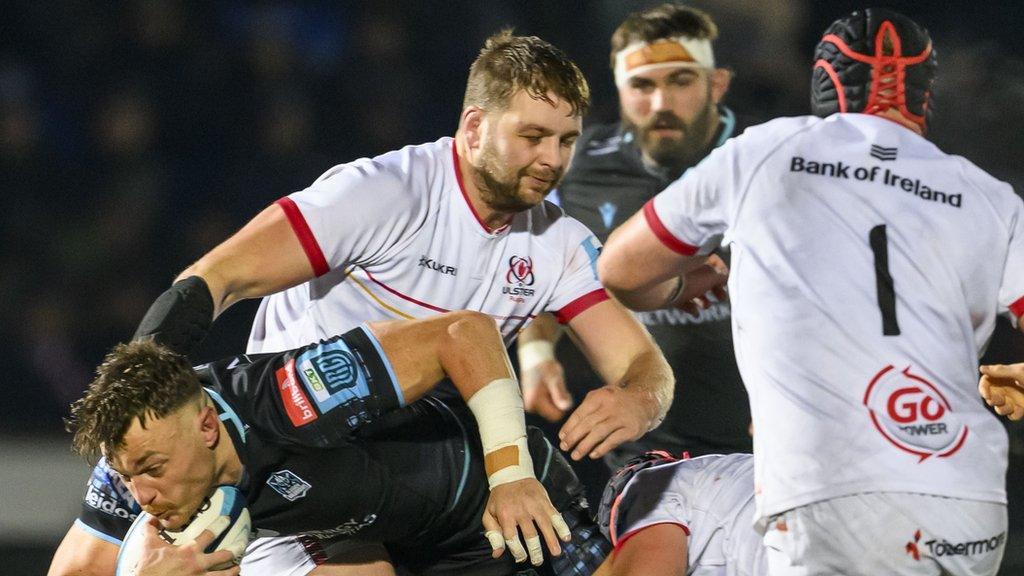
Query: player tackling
pixel 868 269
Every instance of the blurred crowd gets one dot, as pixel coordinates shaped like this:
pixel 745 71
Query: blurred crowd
pixel 136 135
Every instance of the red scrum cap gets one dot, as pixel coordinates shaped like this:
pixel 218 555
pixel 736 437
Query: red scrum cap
pixel 871 61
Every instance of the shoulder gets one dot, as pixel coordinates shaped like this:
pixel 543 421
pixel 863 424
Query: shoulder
pixel 411 173
pixel 779 129
pixel 555 229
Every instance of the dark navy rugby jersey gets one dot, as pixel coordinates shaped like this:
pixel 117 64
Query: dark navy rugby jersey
pixel 608 183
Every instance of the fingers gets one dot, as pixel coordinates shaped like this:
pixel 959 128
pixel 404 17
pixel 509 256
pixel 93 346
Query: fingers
pixel 542 518
pixel 574 427
pixel 538 401
pixel 559 392
pixel 614 439
pixel 561 528
pixel 233 571
pixel 514 545
pixel 597 433
pixel 1011 371
pixel 493 534
pixel 206 537
pixel 217 558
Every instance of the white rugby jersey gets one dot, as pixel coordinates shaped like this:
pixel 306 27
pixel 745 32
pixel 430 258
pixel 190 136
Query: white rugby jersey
pixel 711 498
pixel 395 237
pixel 867 270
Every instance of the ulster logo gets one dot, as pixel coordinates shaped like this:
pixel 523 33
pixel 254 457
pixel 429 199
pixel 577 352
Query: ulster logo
pixel 883 153
pixel 911 413
pixel 520 270
pixel 519 277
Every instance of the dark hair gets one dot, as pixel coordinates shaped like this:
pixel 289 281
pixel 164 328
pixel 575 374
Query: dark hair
pixel 141 380
pixel 508 63
pixel 661 22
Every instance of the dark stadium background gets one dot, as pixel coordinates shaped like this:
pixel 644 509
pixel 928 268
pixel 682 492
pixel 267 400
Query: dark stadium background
pixel 135 135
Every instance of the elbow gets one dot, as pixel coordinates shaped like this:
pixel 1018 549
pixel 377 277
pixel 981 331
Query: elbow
pixel 615 277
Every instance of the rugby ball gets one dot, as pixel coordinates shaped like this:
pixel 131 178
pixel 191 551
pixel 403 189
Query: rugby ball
pixel 224 501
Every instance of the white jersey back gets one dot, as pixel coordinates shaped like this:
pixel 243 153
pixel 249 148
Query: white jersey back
pixel 395 237
pixel 712 498
pixel 867 270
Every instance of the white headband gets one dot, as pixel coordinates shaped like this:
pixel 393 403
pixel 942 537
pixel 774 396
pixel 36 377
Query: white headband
pixel 676 52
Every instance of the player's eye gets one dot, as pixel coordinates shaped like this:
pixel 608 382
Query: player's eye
pixel 533 138
pixel 568 142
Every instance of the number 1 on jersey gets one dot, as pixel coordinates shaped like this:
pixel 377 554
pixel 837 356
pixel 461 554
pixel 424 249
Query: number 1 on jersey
pixel 883 280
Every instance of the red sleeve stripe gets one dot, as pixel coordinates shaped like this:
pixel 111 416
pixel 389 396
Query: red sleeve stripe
pixel 574 308
pixel 305 236
pixel 1018 307
pixel 625 538
pixel 666 237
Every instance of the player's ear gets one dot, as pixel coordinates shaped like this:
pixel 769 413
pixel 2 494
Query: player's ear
pixel 720 80
pixel 472 126
pixel 209 426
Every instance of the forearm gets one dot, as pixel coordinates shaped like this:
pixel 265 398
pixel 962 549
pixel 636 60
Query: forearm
pixel 649 379
pixel 542 327
pixel 662 295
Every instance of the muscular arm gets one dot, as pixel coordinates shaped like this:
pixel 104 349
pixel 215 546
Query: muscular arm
pixel 643 273
pixel 658 550
pixel 262 258
pixel 82 554
pixel 640 382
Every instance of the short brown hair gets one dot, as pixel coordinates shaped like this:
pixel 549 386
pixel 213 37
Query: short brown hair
pixel 508 63
pixel 661 22
pixel 141 380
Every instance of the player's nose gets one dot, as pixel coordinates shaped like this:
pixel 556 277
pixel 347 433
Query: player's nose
pixel 661 99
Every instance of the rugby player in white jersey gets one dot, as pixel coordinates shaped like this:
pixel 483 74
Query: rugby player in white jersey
pixel 459 223
pixel 668 517
pixel 868 268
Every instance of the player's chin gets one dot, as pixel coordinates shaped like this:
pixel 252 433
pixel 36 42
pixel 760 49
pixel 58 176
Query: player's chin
pixel 533 192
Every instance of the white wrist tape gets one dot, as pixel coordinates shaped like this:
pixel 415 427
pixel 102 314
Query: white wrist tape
pixel 498 409
pixel 535 352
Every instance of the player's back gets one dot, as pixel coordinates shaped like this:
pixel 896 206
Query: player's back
pixel 711 497
pixel 868 267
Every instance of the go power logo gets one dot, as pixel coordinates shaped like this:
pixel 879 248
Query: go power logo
pixel 912 415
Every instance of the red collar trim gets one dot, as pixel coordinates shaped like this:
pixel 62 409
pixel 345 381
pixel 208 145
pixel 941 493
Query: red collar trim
pixel 462 188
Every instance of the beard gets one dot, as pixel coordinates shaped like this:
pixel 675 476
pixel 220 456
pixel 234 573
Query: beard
pixel 502 187
pixel 682 151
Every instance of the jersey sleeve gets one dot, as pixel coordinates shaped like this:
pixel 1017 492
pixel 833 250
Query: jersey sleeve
pixel 578 287
pixel 315 396
pixel 108 508
pixel 1011 289
pixel 351 215
pixel 648 500
pixel 692 214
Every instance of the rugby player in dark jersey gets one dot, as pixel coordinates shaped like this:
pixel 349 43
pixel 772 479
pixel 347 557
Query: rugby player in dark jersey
pixel 316 440
pixel 671 117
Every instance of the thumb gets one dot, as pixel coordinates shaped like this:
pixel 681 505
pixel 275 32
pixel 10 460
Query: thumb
pixel 559 393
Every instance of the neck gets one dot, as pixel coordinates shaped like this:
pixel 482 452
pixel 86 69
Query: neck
pixel 226 461
pixel 491 218
pixel 897 117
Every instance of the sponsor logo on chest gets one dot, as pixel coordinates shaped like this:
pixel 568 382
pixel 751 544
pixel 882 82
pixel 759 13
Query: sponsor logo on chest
pixel 518 279
pixel 436 266
pixel 288 484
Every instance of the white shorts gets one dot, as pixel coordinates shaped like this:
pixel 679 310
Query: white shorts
pixel 888 533
pixel 289 556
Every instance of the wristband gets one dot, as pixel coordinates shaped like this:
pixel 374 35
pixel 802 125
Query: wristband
pixel 535 352
pixel 498 409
